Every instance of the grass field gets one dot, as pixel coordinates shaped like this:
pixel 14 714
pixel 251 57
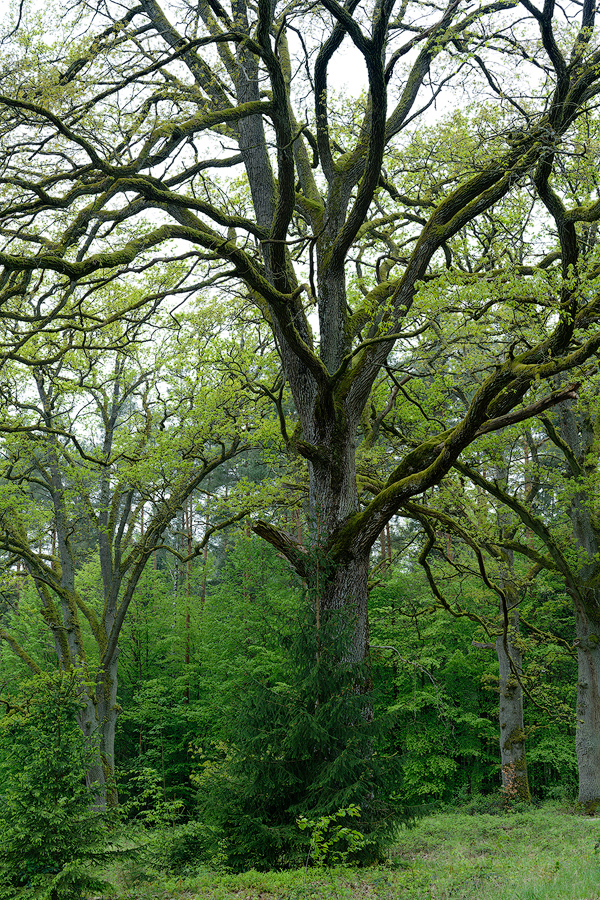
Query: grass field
pixel 541 854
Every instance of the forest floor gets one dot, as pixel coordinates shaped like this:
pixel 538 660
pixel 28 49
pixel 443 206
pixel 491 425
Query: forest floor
pixel 546 853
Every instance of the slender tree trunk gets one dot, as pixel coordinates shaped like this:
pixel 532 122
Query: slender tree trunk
pixel 577 430
pixel 299 533
pixel 385 542
pixel 382 551
pixel 204 576
pixel 515 784
pixel 587 738
pixel 188 596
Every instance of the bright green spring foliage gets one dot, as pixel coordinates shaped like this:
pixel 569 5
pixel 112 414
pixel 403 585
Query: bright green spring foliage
pixel 333 841
pixel 51 835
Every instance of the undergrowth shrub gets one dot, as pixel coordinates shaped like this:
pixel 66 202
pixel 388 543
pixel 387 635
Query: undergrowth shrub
pixel 147 805
pixel 182 850
pixel 51 837
pixel 334 839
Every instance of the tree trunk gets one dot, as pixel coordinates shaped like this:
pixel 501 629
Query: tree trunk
pixel 577 431
pixel 98 722
pixel 95 774
pixel 108 711
pixel 343 584
pixel 346 588
pixel 587 738
pixel 515 784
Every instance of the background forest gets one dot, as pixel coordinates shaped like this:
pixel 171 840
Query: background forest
pixel 299 426
pixel 217 726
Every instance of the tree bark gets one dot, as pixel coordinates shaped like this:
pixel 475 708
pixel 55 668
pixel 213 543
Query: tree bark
pixel 98 722
pixel 515 783
pixel 587 737
pixel 577 432
pixel 345 589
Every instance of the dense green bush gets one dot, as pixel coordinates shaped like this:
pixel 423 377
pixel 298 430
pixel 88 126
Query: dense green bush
pixel 182 849
pixel 51 835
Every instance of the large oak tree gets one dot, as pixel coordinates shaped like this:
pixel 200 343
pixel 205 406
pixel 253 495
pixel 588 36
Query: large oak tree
pixel 206 131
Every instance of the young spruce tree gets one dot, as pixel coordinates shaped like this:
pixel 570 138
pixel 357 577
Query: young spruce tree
pixel 52 837
pixel 304 747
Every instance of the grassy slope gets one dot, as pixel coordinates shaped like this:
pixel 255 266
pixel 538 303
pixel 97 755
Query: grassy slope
pixel 543 854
